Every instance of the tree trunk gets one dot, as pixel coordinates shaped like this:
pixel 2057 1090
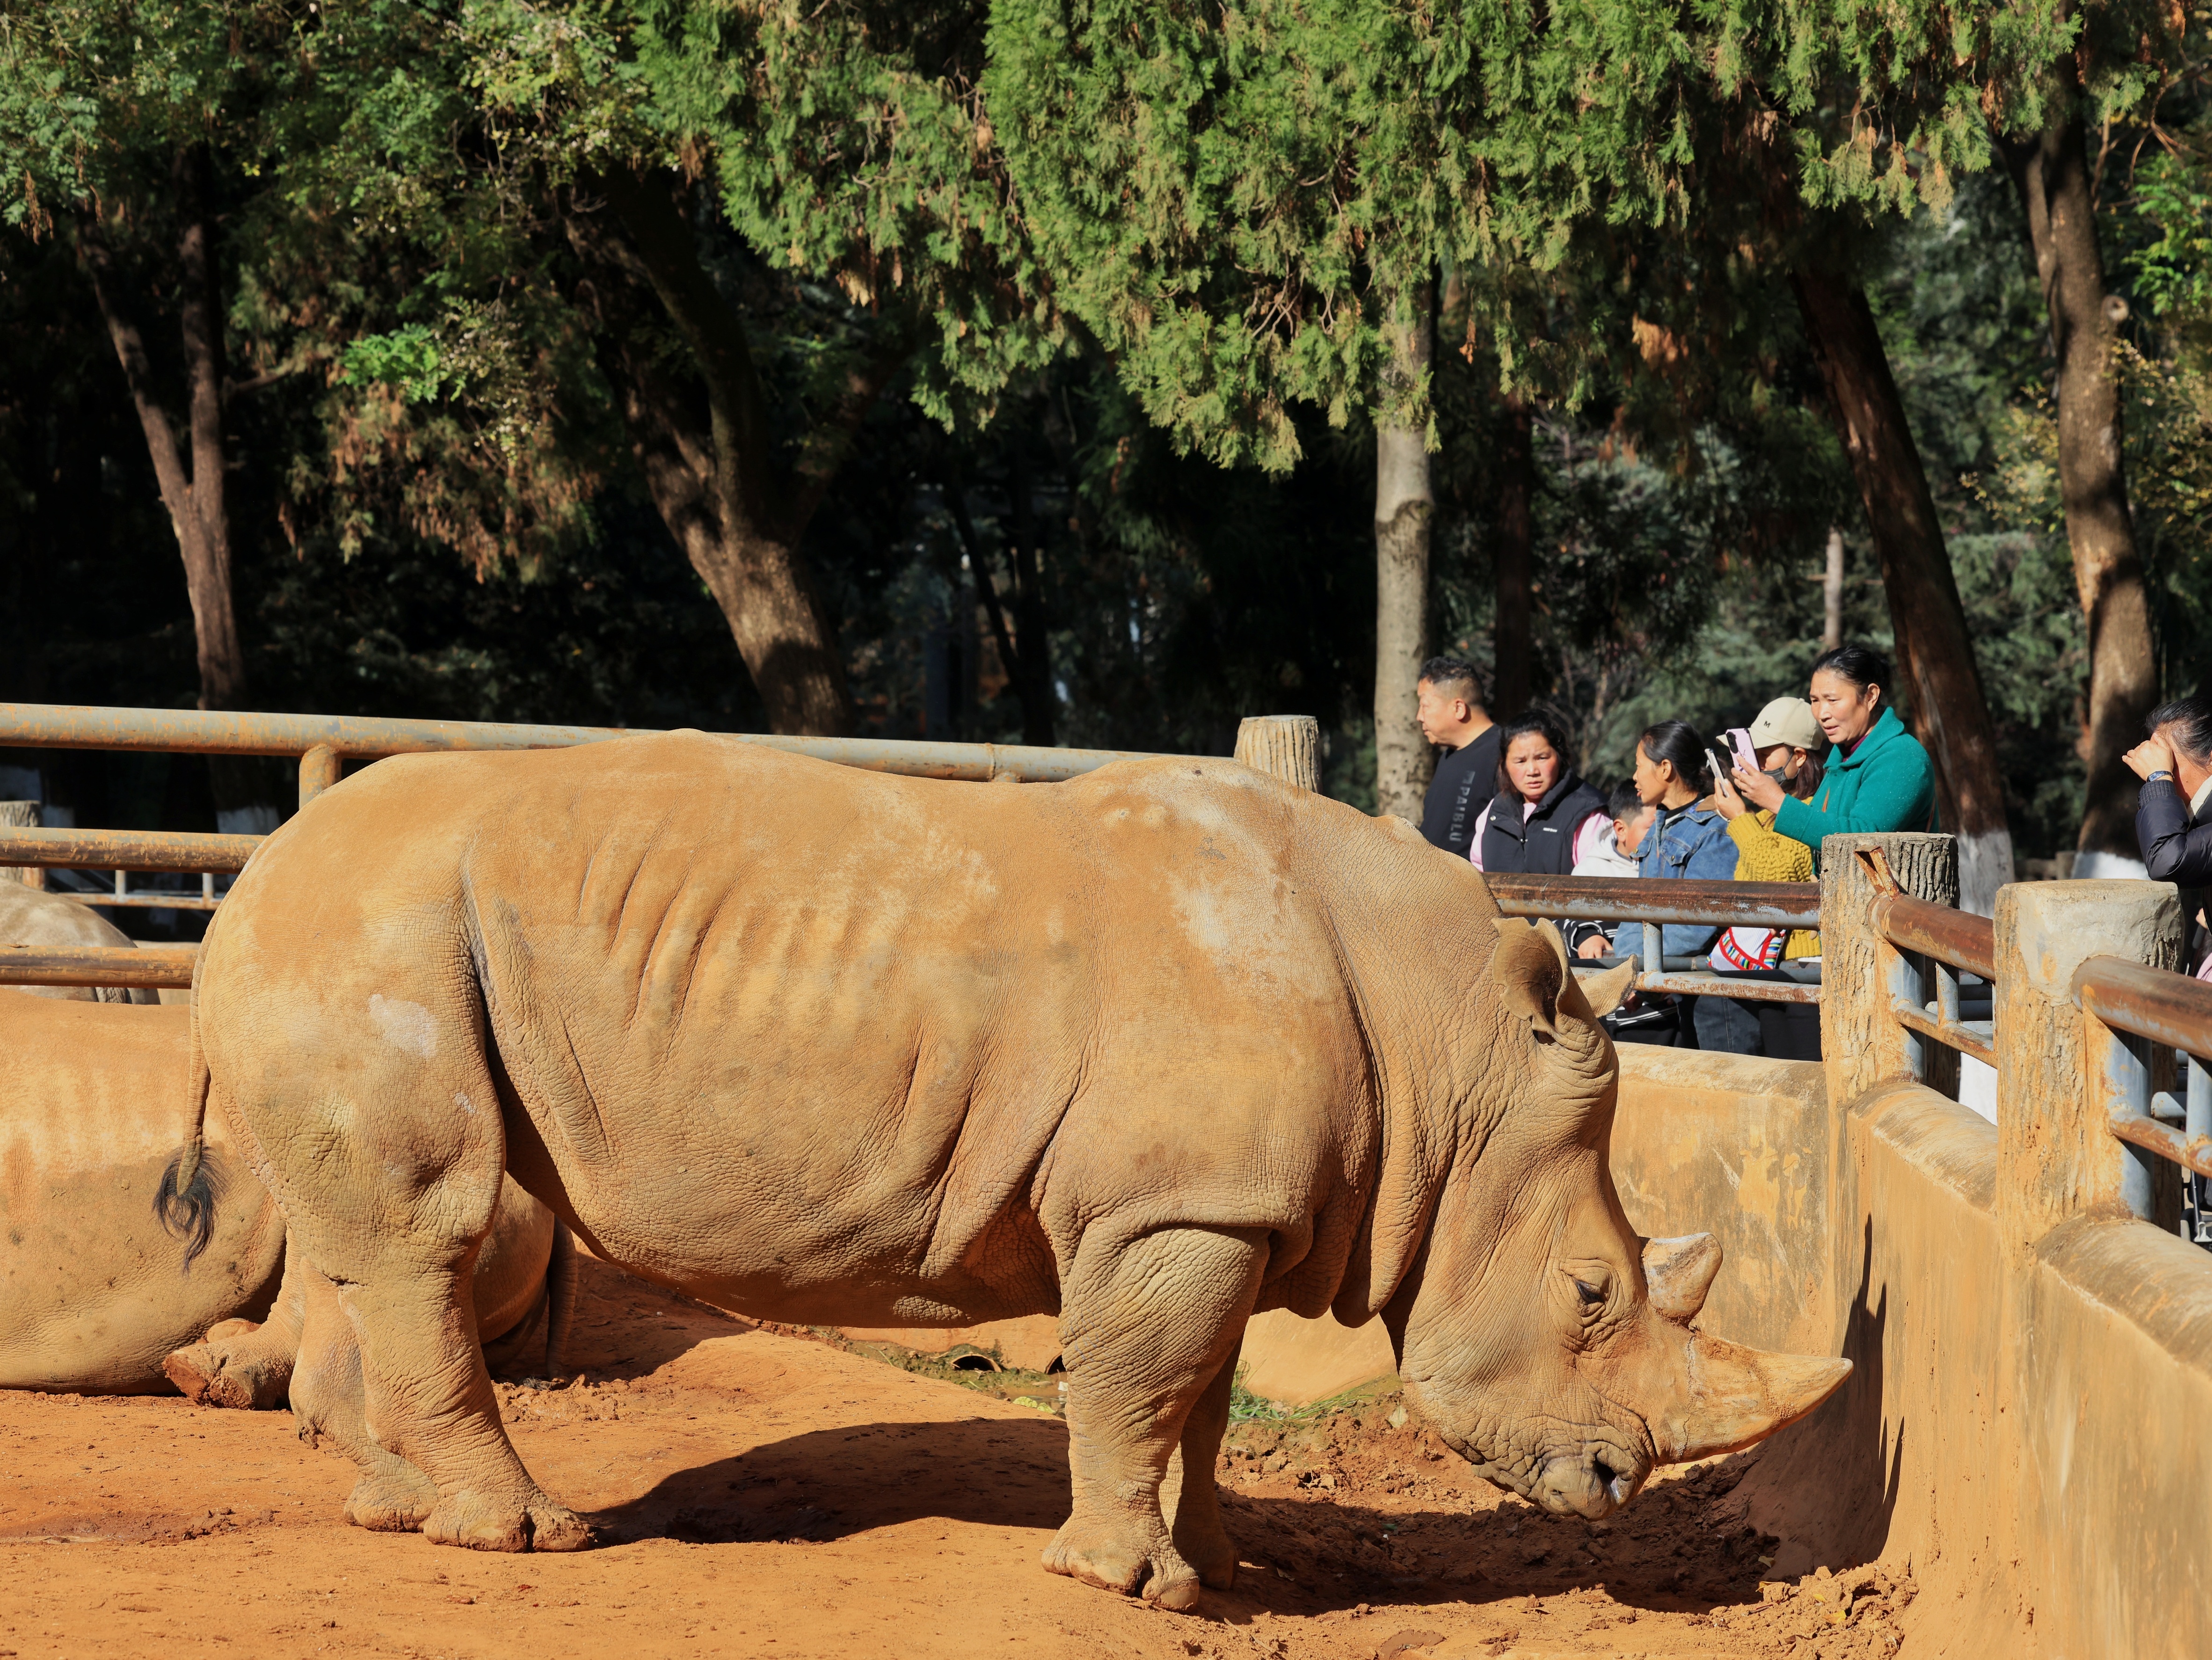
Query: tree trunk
pixel 2050 171
pixel 713 480
pixel 1515 563
pixel 193 493
pixel 1935 655
pixel 1026 555
pixel 1831 592
pixel 1404 506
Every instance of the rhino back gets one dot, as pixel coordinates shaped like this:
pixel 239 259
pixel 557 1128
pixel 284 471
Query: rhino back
pixel 788 1030
pixel 94 1291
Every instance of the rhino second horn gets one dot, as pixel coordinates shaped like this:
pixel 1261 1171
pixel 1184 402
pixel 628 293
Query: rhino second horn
pixel 1679 1272
pixel 1739 1396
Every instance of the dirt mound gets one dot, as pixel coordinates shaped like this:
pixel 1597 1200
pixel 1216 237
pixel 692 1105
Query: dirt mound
pixel 770 1493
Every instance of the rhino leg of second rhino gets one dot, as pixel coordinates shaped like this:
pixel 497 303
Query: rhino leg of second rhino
pixel 239 1364
pixel 1148 1326
pixel 329 1403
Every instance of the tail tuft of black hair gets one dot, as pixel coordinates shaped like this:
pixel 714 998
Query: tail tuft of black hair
pixel 186 1207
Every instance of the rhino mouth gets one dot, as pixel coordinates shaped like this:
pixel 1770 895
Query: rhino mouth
pixel 1592 1483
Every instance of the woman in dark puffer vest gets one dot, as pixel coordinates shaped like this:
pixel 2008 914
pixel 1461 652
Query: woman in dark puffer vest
pixel 1544 817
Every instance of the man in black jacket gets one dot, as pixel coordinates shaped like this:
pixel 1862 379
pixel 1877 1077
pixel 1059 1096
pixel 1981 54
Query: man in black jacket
pixel 1454 719
pixel 2175 764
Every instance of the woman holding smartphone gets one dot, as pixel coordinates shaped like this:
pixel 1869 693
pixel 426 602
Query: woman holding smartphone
pixel 1688 838
pixel 1876 777
pixel 1783 741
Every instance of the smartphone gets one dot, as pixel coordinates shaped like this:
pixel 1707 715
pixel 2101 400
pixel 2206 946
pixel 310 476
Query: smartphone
pixel 1740 741
pixel 1720 772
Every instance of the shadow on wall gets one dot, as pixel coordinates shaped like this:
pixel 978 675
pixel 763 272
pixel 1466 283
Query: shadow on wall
pixel 1828 1486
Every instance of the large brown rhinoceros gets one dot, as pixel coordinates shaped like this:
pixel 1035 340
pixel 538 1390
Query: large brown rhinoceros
pixel 103 1292
pixel 1152 1049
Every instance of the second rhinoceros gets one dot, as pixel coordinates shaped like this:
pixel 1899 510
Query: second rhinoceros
pixel 1150 1049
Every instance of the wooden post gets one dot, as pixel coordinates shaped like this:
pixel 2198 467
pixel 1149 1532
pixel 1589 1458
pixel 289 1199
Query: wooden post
pixel 2058 1069
pixel 21 815
pixel 319 770
pixel 1861 972
pixel 1284 747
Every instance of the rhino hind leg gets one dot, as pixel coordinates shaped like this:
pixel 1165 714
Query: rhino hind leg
pixel 1195 1518
pixel 328 1404
pixel 1149 1327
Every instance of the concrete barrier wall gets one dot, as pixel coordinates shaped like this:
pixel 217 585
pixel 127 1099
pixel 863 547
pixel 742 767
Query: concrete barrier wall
pixel 2032 1436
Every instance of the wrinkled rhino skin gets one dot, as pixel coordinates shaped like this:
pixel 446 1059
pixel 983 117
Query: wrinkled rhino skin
pixel 100 1295
pixel 1151 1049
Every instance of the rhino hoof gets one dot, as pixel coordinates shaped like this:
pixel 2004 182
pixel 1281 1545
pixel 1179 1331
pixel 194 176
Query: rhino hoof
pixel 208 1378
pixel 394 1502
pixel 1161 1577
pixel 477 1522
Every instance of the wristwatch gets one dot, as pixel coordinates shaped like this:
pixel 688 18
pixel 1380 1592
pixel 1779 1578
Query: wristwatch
pixel 2161 777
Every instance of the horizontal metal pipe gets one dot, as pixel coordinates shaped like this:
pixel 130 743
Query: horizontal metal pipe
pixel 1714 985
pixel 2155 1003
pixel 2193 1151
pixel 139 899
pixel 1949 1033
pixel 1654 899
pixel 106 849
pixel 1956 937
pixel 215 731
pixel 150 966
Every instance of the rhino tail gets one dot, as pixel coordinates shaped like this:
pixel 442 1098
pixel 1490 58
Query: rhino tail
pixel 185 1201
pixel 560 1298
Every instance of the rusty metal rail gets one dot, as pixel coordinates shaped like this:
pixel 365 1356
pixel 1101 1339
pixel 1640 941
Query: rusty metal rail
pixel 208 732
pixel 104 849
pixel 1645 899
pixel 2132 1007
pixel 1657 900
pixel 122 966
pixel 1952 941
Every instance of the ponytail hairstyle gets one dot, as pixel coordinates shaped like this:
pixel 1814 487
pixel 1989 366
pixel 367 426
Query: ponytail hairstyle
pixel 2191 721
pixel 1678 741
pixel 1550 727
pixel 1860 664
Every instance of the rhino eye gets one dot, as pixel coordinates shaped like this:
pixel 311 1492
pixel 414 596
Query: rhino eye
pixel 1590 1294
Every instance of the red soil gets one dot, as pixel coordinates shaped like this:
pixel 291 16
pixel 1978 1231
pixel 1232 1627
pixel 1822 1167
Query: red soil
pixel 761 1494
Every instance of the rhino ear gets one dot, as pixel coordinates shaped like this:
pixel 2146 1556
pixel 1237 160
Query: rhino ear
pixel 1603 992
pixel 1679 1272
pixel 1740 1396
pixel 1530 966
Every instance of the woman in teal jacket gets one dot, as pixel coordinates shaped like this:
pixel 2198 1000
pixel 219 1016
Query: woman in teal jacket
pixel 1876 777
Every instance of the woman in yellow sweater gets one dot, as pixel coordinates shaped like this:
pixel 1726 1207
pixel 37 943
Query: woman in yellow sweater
pixel 1788 740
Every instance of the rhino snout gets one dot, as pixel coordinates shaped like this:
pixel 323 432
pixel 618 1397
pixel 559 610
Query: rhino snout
pixel 1591 1484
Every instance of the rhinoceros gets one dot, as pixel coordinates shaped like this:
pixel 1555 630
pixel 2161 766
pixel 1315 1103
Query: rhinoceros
pixel 1149 1049
pixel 105 1291
pixel 32 916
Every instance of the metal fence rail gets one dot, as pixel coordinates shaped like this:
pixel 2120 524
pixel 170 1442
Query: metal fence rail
pixel 1949 941
pixel 1785 905
pixel 2152 1007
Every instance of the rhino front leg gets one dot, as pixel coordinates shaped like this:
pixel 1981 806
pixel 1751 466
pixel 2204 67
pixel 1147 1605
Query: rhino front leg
pixel 1148 1326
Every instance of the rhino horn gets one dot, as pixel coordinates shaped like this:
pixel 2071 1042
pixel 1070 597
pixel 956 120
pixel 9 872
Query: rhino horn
pixel 1740 1396
pixel 1679 1272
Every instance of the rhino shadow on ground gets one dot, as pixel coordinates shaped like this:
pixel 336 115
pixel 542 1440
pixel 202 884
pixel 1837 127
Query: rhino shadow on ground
pixel 626 1327
pixel 1689 1550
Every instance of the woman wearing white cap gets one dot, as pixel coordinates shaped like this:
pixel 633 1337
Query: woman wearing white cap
pixel 1787 740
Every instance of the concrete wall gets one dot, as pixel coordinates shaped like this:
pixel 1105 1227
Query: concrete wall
pixel 2034 1436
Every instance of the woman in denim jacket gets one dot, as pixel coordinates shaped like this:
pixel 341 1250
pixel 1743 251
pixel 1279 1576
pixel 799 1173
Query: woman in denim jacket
pixel 1688 838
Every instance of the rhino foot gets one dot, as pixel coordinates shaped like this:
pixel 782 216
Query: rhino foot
pixel 393 1498
pixel 1212 1555
pixel 237 1364
pixel 478 1522
pixel 1116 1558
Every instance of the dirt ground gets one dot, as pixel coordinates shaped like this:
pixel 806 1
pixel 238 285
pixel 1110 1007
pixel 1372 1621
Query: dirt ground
pixel 764 1493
